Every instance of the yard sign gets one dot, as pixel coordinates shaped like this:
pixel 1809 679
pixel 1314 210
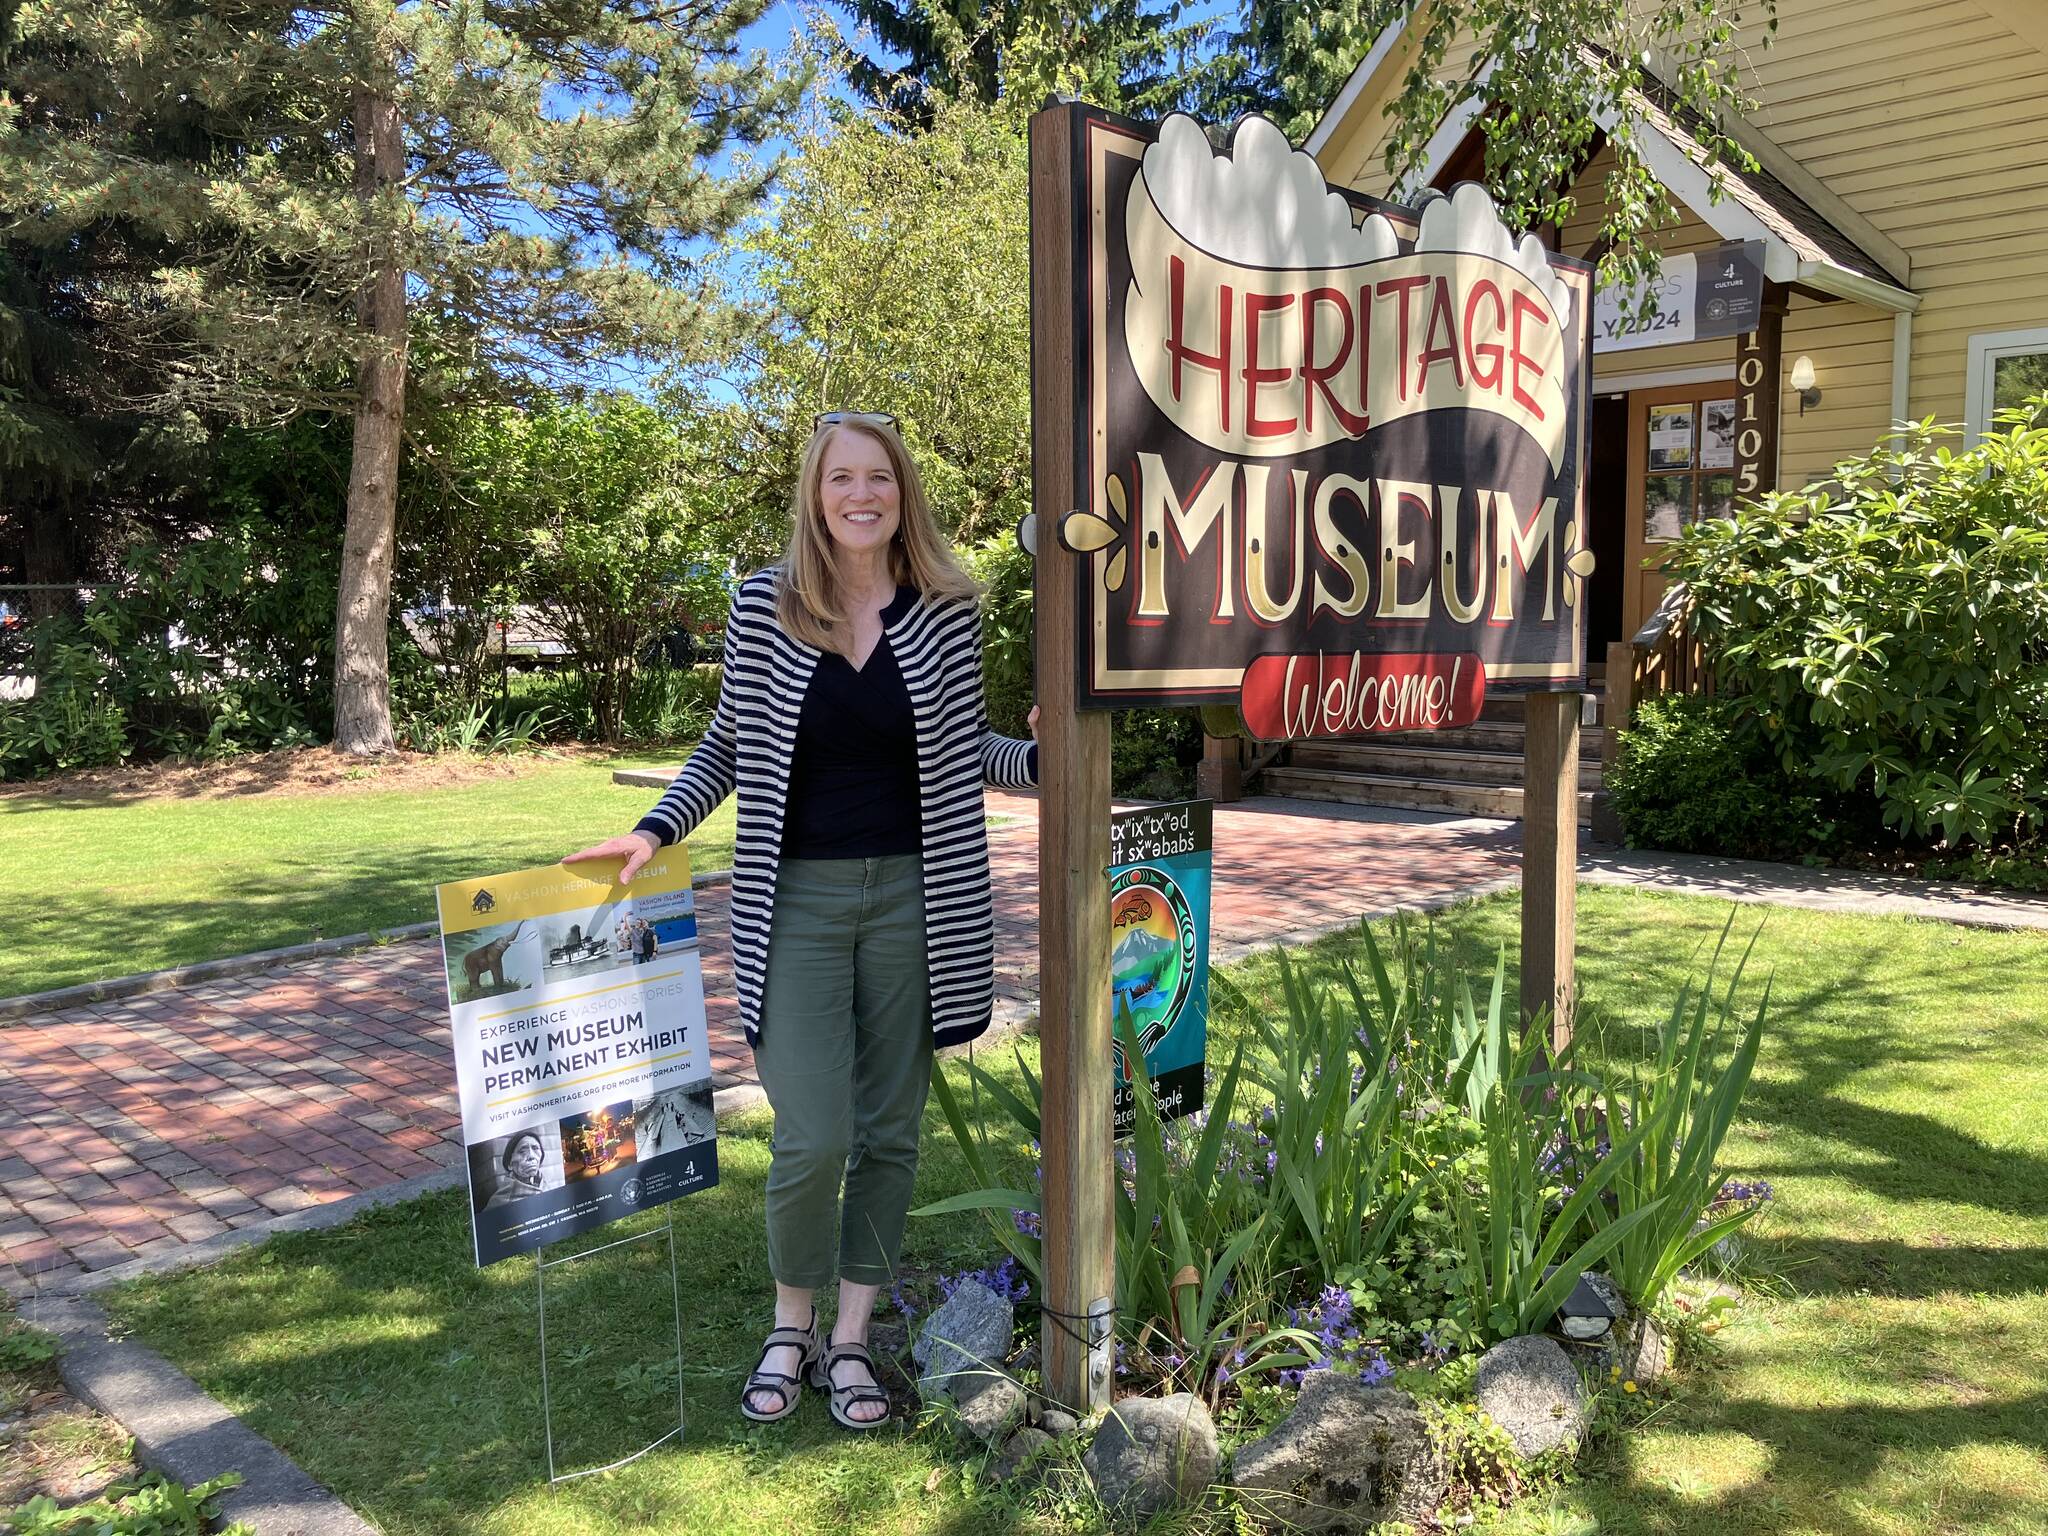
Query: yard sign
pixel 582 1070
pixel 1159 955
pixel 1298 451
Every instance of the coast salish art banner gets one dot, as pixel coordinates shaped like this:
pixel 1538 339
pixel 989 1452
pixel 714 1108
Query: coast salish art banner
pixel 1331 463
pixel 581 1064
pixel 1159 951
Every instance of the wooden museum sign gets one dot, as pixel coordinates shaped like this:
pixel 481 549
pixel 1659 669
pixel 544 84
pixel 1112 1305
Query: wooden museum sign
pixel 1328 450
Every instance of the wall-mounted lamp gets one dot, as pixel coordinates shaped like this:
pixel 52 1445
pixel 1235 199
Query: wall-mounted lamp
pixel 1802 381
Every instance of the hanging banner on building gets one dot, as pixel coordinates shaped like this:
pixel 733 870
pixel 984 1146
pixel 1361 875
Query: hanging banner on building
pixel 1331 449
pixel 581 1064
pixel 1700 296
pixel 1159 952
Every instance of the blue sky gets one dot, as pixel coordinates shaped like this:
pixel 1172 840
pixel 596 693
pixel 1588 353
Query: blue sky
pixel 773 33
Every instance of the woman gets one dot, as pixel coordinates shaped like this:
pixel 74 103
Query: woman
pixel 522 1161
pixel 851 723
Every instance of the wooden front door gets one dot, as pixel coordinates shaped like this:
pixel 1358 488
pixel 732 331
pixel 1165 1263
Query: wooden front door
pixel 1681 467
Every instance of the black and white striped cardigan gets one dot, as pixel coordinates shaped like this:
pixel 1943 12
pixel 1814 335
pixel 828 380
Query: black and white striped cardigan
pixel 752 741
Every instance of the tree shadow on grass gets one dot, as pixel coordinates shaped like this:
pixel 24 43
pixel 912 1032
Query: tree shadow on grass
pixel 398 1373
pixel 77 934
pixel 1815 1456
pixel 1820 1265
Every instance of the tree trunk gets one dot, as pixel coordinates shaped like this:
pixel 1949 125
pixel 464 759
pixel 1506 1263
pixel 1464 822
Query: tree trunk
pixel 48 560
pixel 362 662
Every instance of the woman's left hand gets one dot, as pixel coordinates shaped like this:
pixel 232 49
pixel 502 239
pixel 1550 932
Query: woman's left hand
pixel 1032 721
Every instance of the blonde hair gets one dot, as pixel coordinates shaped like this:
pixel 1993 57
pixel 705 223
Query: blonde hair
pixel 811 600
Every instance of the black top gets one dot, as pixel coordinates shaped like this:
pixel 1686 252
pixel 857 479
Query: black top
pixel 853 791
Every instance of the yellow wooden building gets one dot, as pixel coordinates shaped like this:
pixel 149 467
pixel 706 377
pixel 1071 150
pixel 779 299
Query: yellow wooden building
pixel 1900 220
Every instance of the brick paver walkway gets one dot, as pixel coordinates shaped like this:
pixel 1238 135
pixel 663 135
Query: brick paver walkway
pixel 133 1127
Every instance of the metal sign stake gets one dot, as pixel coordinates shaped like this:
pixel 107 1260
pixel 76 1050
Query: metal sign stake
pixel 542 1264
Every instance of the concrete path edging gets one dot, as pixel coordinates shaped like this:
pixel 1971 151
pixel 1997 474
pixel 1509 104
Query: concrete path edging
pixel 1846 891
pixel 173 977
pixel 185 1434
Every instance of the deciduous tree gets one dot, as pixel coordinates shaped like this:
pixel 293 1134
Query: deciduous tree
pixel 1553 80
pixel 892 273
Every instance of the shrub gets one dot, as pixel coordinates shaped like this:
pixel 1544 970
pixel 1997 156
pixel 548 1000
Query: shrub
pixel 1005 571
pixel 1152 752
pixel 1689 779
pixel 223 646
pixel 621 538
pixel 1890 629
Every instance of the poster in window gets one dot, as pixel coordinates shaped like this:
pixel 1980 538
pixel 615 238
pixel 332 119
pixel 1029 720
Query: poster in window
pixel 1717 496
pixel 1671 438
pixel 1667 506
pixel 1717 435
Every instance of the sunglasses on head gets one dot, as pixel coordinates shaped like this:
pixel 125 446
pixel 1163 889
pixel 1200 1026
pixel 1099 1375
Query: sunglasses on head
pixel 835 418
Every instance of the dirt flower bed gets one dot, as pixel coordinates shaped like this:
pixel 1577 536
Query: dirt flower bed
pixel 66 1468
pixel 297 770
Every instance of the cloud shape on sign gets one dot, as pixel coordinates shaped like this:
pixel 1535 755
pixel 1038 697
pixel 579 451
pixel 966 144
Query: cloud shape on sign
pixel 1466 220
pixel 1263 204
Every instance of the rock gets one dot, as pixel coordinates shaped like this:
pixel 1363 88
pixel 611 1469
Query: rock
pixel 1529 1387
pixel 989 1405
pixel 1707 1286
pixel 1021 1458
pixel 1348 1457
pixel 967 1337
pixel 1636 1344
pixel 1643 1350
pixel 1152 1453
pixel 1057 1421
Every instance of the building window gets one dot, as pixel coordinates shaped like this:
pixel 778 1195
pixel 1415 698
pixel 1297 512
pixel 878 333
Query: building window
pixel 2006 367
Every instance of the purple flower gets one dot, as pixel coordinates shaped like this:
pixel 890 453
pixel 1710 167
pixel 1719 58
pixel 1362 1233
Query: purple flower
pixel 1026 1222
pixel 1736 1192
pixel 903 1303
pixel 1335 1304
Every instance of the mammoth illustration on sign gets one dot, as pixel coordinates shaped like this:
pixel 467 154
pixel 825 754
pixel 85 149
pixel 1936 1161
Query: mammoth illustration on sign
pixel 1332 448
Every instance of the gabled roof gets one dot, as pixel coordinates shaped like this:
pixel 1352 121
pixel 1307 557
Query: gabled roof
pixel 1801 244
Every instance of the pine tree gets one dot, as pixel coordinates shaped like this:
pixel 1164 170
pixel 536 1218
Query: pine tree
pixel 516 184
pixel 80 465
pixel 1131 55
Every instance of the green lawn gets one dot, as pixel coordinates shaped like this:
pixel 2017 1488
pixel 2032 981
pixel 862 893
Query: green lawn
pixel 1888 1375
pixel 105 887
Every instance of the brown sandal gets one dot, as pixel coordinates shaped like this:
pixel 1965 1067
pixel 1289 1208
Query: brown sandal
pixel 843 1398
pixel 787 1389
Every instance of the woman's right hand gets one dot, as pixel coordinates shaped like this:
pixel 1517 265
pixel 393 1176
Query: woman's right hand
pixel 636 848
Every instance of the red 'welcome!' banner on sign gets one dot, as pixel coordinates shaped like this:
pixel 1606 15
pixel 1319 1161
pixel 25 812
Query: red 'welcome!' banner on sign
pixel 1287 698
pixel 1332 449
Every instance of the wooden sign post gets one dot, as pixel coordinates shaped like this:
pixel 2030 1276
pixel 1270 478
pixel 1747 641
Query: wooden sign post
pixel 1550 860
pixel 1298 453
pixel 1075 1134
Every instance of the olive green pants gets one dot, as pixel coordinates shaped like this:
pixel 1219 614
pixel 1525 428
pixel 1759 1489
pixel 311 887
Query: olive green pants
pixel 846 1060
